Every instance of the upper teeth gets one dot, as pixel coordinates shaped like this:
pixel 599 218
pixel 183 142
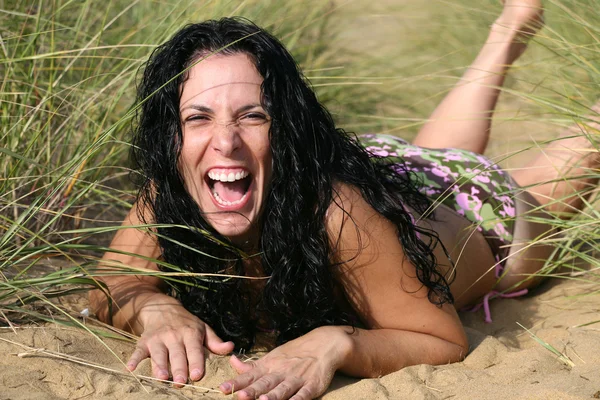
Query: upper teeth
pixel 231 177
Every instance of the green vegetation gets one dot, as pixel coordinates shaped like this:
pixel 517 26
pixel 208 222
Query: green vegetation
pixel 68 71
pixel 68 79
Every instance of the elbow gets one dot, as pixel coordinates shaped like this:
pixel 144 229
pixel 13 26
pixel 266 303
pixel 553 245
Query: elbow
pixel 99 305
pixel 448 353
pixel 99 300
pixel 461 351
pixel 464 347
pixel 458 349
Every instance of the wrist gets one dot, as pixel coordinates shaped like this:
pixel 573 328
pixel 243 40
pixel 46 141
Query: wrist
pixel 341 343
pixel 155 307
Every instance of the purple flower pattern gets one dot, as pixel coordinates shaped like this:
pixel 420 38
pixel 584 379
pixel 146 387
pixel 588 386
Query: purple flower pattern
pixel 472 185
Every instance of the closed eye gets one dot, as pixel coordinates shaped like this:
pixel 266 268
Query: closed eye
pixel 197 118
pixel 253 118
pixel 254 115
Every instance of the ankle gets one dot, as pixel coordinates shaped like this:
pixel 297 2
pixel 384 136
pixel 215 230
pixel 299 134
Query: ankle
pixel 524 17
pixel 509 38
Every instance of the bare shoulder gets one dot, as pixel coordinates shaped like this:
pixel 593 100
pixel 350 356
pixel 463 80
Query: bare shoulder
pixel 348 216
pixel 356 229
pixel 378 278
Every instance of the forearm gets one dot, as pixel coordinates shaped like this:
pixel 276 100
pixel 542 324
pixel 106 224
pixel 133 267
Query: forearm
pixel 378 352
pixel 465 113
pixel 130 289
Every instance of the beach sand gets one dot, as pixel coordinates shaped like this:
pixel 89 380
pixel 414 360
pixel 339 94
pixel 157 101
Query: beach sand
pixel 504 360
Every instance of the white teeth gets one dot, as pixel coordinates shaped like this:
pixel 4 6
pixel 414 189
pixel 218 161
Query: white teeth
pixel 231 177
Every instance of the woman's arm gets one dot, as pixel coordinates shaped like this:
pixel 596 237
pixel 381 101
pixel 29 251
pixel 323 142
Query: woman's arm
pixel 404 327
pixel 129 294
pixel 377 352
pixel 303 368
pixel 381 285
pixel 170 335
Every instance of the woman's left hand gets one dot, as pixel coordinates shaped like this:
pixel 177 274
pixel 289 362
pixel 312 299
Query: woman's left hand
pixel 298 370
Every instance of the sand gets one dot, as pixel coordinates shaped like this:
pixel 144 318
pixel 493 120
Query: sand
pixel 504 361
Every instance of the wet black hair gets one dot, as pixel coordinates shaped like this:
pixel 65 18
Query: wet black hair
pixel 310 156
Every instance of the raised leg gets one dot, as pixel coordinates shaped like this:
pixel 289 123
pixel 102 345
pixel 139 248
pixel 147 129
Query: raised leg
pixel 560 179
pixel 463 118
pixel 561 175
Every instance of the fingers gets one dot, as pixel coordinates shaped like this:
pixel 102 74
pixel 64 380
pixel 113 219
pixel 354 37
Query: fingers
pixel 158 354
pixel 215 344
pixel 160 360
pixel 240 366
pixel 303 394
pixel 162 354
pixel 259 380
pixel 194 346
pixel 276 387
pixel 265 384
pixel 182 349
pixel 284 390
pixel 178 359
pixel 195 357
pixel 140 353
pixel 243 380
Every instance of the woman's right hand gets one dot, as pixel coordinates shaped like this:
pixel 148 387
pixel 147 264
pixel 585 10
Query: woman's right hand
pixel 170 335
pixel 177 338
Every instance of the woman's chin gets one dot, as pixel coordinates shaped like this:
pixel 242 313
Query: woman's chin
pixel 236 228
pixel 236 221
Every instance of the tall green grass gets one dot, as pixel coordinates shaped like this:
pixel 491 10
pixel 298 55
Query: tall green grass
pixel 68 79
pixel 68 73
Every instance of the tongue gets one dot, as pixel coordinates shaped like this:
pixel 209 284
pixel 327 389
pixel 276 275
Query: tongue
pixel 230 191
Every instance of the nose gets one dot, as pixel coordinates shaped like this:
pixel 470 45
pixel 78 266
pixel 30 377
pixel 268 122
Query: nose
pixel 226 138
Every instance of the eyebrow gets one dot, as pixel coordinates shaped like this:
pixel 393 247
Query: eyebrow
pixel 209 110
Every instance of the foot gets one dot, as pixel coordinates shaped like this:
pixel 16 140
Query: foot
pixel 521 20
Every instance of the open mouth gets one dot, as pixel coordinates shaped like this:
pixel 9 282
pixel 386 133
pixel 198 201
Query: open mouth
pixel 229 187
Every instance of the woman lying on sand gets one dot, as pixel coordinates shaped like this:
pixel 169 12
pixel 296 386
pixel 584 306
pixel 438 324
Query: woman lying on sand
pixel 356 253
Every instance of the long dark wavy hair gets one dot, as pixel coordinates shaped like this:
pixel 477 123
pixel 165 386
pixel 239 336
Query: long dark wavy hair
pixel 310 155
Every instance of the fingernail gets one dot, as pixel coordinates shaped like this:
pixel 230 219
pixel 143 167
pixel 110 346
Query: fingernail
pixel 225 387
pixel 180 379
pixel 195 374
pixel 163 374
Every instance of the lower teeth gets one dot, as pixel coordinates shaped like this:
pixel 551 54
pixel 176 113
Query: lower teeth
pixel 227 203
